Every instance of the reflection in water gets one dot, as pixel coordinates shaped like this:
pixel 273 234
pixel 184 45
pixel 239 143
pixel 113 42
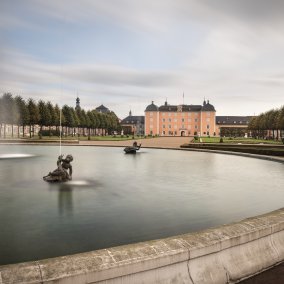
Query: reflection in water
pixel 65 199
pixel 65 193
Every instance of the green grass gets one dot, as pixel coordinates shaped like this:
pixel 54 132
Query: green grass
pixel 237 140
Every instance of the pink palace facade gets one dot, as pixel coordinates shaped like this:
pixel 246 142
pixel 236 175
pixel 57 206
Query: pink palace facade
pixel 180 120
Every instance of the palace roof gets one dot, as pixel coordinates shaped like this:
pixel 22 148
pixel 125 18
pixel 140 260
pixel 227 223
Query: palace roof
pixel 231 120
pixel 102 109
pixel 133 119
pixel 151 107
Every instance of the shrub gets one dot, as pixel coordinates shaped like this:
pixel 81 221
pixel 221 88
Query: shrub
pixel 49 133
pixel 195 137
pixel 221 140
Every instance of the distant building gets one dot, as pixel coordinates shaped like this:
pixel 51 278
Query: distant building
pixel 232 125
pixel 180 120
pixel 133 124
pixel 102 109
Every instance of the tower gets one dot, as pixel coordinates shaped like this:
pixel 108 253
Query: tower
pixel 77 104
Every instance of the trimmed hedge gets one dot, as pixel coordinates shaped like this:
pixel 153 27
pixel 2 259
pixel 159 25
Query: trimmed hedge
pixel 252 149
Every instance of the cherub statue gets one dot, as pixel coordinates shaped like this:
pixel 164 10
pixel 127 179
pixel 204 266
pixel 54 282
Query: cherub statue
pixel 61 174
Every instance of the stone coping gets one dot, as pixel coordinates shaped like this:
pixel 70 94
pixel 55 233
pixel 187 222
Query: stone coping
pixel 134 258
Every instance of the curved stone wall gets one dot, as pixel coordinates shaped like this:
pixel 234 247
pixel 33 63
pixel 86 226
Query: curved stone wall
pixel 226 254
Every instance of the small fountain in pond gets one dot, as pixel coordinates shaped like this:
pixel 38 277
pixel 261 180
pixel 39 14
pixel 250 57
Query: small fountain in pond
pixel 15 156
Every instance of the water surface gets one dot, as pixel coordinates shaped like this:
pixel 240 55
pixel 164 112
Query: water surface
pixel 117 199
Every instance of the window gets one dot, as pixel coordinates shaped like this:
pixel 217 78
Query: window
pixel 175 114
pixel 208 113
pixel 175 120
pixel 208 126
pixel 164 132
pixel 195 119
pixel 207 119
pixel 170 114
pixel 170 126
pixel 195 126
pixel 164 119
pixel 189 120
pixel 164 126
pixel 163 114
pixel 170 119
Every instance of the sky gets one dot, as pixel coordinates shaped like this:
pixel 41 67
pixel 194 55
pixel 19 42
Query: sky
pixel 125 54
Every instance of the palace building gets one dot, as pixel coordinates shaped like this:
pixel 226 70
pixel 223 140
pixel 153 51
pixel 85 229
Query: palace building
pixel 180 120
pixel 133 124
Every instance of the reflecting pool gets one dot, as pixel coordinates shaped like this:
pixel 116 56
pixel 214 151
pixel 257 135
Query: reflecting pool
pixel 117 199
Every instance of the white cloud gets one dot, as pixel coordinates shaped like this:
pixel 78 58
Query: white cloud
pixel 227 51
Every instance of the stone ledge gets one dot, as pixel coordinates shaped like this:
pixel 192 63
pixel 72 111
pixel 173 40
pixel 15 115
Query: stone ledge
pixel 227 243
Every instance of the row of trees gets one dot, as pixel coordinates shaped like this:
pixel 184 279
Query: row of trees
pixel 268 125
pixel 28 113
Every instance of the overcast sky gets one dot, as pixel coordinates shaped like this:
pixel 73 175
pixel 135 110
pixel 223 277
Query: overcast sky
pixel 126 53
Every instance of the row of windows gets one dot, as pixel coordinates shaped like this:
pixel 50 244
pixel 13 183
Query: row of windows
pixel 182 120
pixel 241 122
pixel 175 114
pixel 183 126
pixel 182 114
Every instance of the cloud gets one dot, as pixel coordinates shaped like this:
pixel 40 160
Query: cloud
pixel 227 51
